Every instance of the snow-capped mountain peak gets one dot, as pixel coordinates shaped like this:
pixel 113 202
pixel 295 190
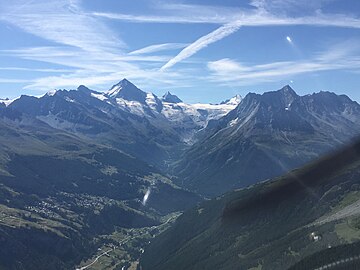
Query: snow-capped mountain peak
pixel 126 90
pixel 51 93
pixel 235 100
pixel 6 101
pixel 168 97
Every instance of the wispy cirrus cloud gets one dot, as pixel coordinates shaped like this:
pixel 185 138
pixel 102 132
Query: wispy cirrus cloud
pixel 343 56
pixel 60 21
pixel 47 70
pixel 175 13
pixel 7 80
pixel 81 43
pixel 100 81
pixel 203 42
pixel 152 18
pixel 158 48
pixel 247 18
pixel 263 13
pixel 261 19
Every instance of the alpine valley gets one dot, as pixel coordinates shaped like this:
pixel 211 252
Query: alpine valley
pixel 93 178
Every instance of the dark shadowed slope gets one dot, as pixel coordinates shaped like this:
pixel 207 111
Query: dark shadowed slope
pixel 268 225
pixel 266 136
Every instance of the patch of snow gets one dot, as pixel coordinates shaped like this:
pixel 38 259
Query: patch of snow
pixel 114 91
pixel 199 113
pixel 130 106
pixel 234 100
pixel 151 101
pixel 99 96
pixel 150 98
pixel 69 99
pixel 7 101
pixel 51 93
pixel 215 111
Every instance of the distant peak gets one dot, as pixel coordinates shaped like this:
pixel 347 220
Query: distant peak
pixel 6 101
pixel 287 89
pixel 51 93
pixel 83 88
pixel 168 97
pixel 235 100
pixel 125 82
pixel 126 90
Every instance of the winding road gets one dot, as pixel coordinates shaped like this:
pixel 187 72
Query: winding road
pixel 94 261
pixel 120 243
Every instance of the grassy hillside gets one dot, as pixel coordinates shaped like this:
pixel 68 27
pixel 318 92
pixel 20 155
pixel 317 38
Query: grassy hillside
pixel 270 225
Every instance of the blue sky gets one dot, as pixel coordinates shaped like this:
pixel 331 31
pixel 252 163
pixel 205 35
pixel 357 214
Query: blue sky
pixel 200 50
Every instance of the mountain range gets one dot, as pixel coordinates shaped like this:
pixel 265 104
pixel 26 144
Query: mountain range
pixel 124 117
pixel 265 136
pixel 80 169
pixel 75 165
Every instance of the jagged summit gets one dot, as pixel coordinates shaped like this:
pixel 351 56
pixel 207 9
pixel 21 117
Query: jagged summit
pixel 287 88
pixel 284 91
pixel 83 88
pixel 288 93
pixel 51 93
pixel 282 98
pixel 235 100
pixel 126 90
pixel 168 97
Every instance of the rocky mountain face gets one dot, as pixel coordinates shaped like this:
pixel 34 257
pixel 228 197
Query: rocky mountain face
pixel 170 98
pixel 265 136
pixel 211 148
pixel 308 218
pixel 124 117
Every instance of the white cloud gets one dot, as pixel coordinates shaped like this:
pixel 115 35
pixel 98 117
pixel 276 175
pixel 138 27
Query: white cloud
pixel 339 57
pixel 60 21
pixel 262 16
pixel 289 6
pixel 203 42
pixel 158 48
pixel 49 70
pixel 267 13
pixel 93 52
pixel 85 44
pixel 226 65
pixel 145 78
pixel 154 18
pixel 7 80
